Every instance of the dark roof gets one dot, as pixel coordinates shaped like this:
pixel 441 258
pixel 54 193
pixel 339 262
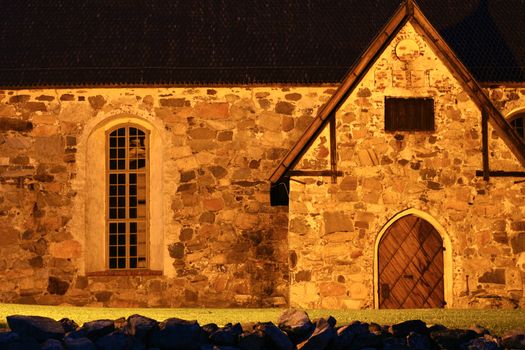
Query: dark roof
pixel 164 42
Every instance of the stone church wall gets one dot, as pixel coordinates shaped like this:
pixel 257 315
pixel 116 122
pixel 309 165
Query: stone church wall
pixel 334 227
pixel 218 242
pixel 222 243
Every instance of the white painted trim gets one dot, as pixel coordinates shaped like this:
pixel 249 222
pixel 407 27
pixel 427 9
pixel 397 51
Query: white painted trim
pixel 447 254
pixel 88 226
pixel 515 111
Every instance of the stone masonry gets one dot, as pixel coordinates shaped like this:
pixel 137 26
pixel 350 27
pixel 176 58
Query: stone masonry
pixel 221 243
pixel 334 226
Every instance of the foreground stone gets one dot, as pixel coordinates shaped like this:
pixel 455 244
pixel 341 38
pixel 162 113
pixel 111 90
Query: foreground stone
pixel 39 328
pixel 295 332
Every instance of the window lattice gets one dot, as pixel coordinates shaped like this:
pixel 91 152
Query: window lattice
pixel 127 200
pixel 518 123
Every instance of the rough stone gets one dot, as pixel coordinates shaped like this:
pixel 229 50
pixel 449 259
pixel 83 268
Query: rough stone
pixel 176 334
pixel 19 98
pixel 202 133
pixel 44 98
pixel 321 338
pixel 57 286
pixel 68 325
pixel 173 102
pixel 218 171
pixel 514 340
pixel 13 341
pixel 52 344
pixel 115 340
pixel 252 341
pixel 349 183
pixel 214 110
pixel 67 97
pixel 186 234
pixel 277 338
pixel 223 136
pixel 97 102
pixel 517 243
pixel 403 329
pixel 296 324
pixel 227 335
pixel 66 249
pixel 140 326
pixel 97 329
pixel 9 235
pixel 79 344
pixel 38 327
pixel 452 338
pixel 284 108
pixel 302 276
pixel 176 250
pixel 49 148
pixel 15 124
pixel 337 221
pixel 496 276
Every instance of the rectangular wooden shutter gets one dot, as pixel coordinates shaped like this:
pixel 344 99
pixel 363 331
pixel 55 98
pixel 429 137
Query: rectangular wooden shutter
pixel 409 114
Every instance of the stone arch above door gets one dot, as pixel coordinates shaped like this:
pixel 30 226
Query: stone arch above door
pixel 412 263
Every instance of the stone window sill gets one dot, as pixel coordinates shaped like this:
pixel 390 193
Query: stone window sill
pixel 125 273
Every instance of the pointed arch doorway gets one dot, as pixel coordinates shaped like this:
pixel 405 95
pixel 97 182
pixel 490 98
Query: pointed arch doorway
pixel 410 265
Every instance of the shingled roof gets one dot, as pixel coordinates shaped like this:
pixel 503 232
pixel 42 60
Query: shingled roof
pixel 228 42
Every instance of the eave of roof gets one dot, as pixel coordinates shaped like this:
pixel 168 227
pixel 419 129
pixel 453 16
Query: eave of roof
pixel 408 10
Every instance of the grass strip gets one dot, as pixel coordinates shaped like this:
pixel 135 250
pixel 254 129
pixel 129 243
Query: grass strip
pixel 497 321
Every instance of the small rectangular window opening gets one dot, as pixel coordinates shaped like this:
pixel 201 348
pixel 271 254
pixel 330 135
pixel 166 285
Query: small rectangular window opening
pixel 409 114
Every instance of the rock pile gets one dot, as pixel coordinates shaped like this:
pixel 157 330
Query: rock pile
pixel 294 331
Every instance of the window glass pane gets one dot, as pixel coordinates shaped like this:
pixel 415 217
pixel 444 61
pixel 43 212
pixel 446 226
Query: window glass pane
pixel 133 263
pixel 121 251
pixel 518 124
pixel 121 263
pixel 127 191
pixel 121 213
pixel 121 153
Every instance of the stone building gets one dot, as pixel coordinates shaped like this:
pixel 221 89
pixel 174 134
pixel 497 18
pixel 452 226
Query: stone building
pixel 351 155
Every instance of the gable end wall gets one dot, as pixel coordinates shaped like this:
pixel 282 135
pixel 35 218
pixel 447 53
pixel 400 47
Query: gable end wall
pixel 334 227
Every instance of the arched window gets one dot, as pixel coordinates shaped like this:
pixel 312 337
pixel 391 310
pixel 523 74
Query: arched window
pixel 517 121
pixel 127 217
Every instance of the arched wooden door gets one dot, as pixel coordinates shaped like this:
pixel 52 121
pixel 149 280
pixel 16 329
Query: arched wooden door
pixel 410 262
